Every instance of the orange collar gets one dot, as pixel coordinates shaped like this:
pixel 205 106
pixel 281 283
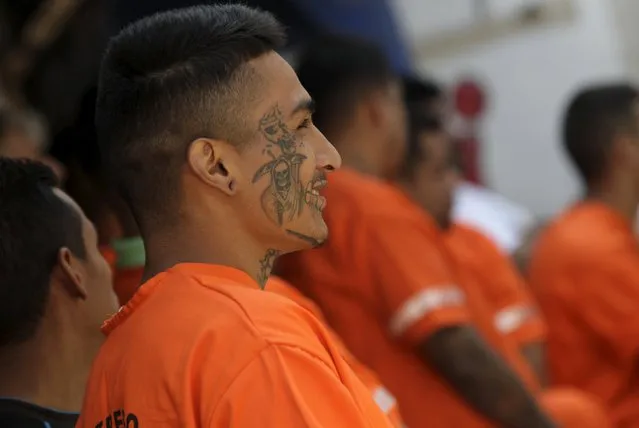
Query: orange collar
pixel 199 270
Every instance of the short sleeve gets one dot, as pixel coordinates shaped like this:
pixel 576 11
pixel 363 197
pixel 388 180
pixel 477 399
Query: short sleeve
pixel 286 387
pixel 418 290
pixel 516 312
pixel 607 295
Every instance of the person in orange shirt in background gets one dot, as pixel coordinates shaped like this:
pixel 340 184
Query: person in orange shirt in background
pixel 381 395
pixel 501 307
pixel 55 291
pixel 207 133
pixel 585 266
pixel 381 281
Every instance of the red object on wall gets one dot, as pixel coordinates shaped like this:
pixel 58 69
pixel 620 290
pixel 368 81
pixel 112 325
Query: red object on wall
pixel 469 102
pixel 469 99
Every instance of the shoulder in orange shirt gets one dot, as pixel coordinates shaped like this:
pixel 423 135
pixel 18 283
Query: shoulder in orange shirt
pixel 259 350
pixel 380 394
pixel 585 274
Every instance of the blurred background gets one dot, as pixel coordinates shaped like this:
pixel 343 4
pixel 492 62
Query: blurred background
pixel 507 66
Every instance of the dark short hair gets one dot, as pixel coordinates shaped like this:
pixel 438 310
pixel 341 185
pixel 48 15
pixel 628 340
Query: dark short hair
pixel 168 79
pixel 420 90
pixel 419 123
pixel 34 225
pixel 337 71
pixel 595 116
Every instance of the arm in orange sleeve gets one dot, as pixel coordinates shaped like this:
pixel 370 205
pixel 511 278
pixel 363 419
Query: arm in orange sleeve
pixel 425 307
pixel 517 315
pixel 286 386
pixel 608 295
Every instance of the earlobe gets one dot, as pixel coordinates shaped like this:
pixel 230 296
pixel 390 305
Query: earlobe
pixel 72 273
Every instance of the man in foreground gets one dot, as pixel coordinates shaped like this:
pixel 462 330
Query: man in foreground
pixel 55 291
pixel 208 135
pixel 585 265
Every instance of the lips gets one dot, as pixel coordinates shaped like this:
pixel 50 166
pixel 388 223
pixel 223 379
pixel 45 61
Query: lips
pixel 312 195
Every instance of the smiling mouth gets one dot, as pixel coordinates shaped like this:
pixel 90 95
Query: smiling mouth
pixel 312 195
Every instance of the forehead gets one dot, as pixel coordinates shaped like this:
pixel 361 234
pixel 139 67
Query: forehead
pixel 278 85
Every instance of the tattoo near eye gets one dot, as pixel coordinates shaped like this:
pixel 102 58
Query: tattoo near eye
pixel 283 199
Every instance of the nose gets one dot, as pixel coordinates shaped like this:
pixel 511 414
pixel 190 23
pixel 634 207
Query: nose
pixel 326 155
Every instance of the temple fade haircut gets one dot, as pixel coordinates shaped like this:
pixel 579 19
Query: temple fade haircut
pixel 35 224
pixel 595 117
pixel 419 123
pixel 171 78
pixel 338 71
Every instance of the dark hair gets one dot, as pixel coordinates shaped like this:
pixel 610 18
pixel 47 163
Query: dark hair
pixel 595 116
pixel 34 224
pixel 337 71
pixel 168 79
pixel 419 123
pixel 419 90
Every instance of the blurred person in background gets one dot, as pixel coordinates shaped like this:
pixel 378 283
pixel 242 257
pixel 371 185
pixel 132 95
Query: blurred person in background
pixel 498 304
pixel 208 136
pixel 367 119
pixel 499 218
pixel 55 291
pixel 585 265
pixel 23 134
pixel 426 96
pixel 372 281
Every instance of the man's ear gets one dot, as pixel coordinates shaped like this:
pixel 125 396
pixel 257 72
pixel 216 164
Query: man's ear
pixel 71 274
pixel 215 163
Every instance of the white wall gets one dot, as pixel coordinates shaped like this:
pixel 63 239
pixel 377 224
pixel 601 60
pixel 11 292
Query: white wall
pixel 529 77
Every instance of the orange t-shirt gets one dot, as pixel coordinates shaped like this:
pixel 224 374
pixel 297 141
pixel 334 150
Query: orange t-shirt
pixel 381 395
pixel 202 346
pixel 585 274
pixel 515 311
pixel 386 281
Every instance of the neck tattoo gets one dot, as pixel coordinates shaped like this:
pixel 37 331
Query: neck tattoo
pixel 266 266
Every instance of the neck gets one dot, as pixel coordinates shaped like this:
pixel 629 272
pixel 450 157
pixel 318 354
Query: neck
pixel 356 150
pixel 50 370
pixel 226 244
pixel 620 197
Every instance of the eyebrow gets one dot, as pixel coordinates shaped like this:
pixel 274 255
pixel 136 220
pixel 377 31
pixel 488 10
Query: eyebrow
pixel 305 105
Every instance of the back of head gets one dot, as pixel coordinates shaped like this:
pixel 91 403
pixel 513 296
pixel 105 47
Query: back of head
pixel 167 80
pixel 35 224
pixel 595 118
pixel 422 93
pixel 339 72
